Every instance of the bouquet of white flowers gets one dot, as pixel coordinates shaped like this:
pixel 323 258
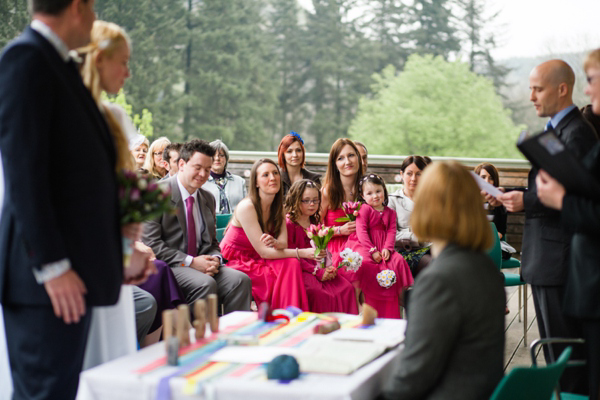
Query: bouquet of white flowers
pixel 386 278
pixel 351 260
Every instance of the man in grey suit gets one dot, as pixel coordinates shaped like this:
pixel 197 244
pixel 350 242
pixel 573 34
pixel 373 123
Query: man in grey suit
pixel 187 239
pixel 546 244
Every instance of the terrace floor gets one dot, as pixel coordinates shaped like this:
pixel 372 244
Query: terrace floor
pixel 515 353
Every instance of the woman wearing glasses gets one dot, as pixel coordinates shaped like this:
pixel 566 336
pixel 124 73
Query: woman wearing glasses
pixel 326 291
pixel 154 163
pixel 228 189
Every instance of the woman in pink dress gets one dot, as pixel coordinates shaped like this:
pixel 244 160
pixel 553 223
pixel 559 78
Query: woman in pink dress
pixel 383 273
pixel 326 291
pixel 256 242
pixel 340 185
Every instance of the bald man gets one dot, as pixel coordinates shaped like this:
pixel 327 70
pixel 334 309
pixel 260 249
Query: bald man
pixel 546 244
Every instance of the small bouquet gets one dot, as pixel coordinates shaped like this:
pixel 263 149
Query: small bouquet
pixel 140 199
pixel 386 278
pixel 320 235
pixel 352 260
pixel 351 209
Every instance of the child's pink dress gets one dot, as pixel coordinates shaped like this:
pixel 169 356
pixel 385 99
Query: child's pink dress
pixel 377 229
pixel 336 294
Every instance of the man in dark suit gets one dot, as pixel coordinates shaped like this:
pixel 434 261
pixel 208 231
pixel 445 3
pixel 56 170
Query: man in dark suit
pixel 187 240
pixel 546 244
pixel 60 246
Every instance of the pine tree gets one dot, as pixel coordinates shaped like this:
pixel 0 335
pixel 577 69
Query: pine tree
pixel 290 62
pixel 433 32
pixel 480 41
pixel 339 67
pixel 14 17
pixel 157 33
pixel 229 83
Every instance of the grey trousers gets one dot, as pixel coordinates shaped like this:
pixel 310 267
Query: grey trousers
pixel 145 311
pixel 233 288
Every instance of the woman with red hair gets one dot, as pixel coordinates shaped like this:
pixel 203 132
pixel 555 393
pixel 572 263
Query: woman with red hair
pixel 291 157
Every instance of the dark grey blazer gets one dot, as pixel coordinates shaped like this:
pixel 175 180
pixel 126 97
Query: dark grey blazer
pixel 546 243
pixel 167 234
pixel 454 344
pixel 582 288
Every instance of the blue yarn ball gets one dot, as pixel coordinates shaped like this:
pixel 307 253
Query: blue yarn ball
pixel 283 367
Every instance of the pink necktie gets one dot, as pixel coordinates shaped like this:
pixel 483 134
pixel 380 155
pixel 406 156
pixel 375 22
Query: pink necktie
pixel 191 226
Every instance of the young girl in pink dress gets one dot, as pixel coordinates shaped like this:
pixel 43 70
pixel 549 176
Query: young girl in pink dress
pixel 383 273
pixel 256 242
pixel 340 185
pixel 326 290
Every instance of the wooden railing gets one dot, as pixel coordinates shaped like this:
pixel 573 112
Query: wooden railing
pixel 513 174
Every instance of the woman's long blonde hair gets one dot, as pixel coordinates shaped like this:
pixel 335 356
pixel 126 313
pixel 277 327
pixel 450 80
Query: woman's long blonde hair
pixel 149 164
pixel 106 37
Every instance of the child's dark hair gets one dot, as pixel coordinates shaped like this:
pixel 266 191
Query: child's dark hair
pixel 294 199
pixel 375 179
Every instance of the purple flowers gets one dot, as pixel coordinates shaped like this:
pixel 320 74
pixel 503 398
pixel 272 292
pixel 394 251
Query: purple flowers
pixel 141 198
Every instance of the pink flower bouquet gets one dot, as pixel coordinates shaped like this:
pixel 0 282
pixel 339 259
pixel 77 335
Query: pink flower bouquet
pixel 320 235
pixel 351 209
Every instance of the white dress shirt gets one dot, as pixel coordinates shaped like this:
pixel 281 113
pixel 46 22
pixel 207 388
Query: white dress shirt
pixel 198 221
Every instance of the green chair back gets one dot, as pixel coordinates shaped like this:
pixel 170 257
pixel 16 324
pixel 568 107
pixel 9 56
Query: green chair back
pixel 220 234
pixel 223 220
pixel 534 383
pixel 495 252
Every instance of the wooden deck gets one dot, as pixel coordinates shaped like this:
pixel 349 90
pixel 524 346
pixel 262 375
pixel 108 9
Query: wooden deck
pixel 515 353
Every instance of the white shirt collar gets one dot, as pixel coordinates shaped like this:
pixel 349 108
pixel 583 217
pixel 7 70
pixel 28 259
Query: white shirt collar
pixel 52 37
pixel 184 193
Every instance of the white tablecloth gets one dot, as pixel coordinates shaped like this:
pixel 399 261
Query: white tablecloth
pixel 115 380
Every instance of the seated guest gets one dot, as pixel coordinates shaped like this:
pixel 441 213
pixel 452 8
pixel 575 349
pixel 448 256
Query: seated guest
pixel 374 241
pixel 341 184
pixel 415 252
pixel 227 188
pixel 171 158
pixel 187 239
pixel 256 242
pixel 154 164
pixel 326 291
pixel 454 344
pixel 138 146
pixel 498 215
pixel 364 155
pixel 291 157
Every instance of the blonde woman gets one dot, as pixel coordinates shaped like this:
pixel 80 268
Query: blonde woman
pixel 105 69
pixel 154 163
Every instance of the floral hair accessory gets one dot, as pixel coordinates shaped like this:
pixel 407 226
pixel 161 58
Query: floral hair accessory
pixel 295 134
pixel 386 278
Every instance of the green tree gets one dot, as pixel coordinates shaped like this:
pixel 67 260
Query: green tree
pixel 340 62
pixel 479 40
pixel 157 33
pixel 14 17
pixel 143 123
pixel 386 23
pixel 230 82
pixel 434 31
pixel 435 108
pixel 290 63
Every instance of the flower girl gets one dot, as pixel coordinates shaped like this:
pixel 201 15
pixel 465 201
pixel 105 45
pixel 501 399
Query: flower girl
pixel 383 273
pixel 326 290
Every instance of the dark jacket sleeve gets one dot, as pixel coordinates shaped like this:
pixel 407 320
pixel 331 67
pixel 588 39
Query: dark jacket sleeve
pixel 432 329
pixel 26 113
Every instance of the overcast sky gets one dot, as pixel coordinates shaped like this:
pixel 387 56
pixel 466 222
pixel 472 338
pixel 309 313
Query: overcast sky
pixel 538 27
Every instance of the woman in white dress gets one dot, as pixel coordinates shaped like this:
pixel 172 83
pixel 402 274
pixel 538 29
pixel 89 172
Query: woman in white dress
pixel 113 329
